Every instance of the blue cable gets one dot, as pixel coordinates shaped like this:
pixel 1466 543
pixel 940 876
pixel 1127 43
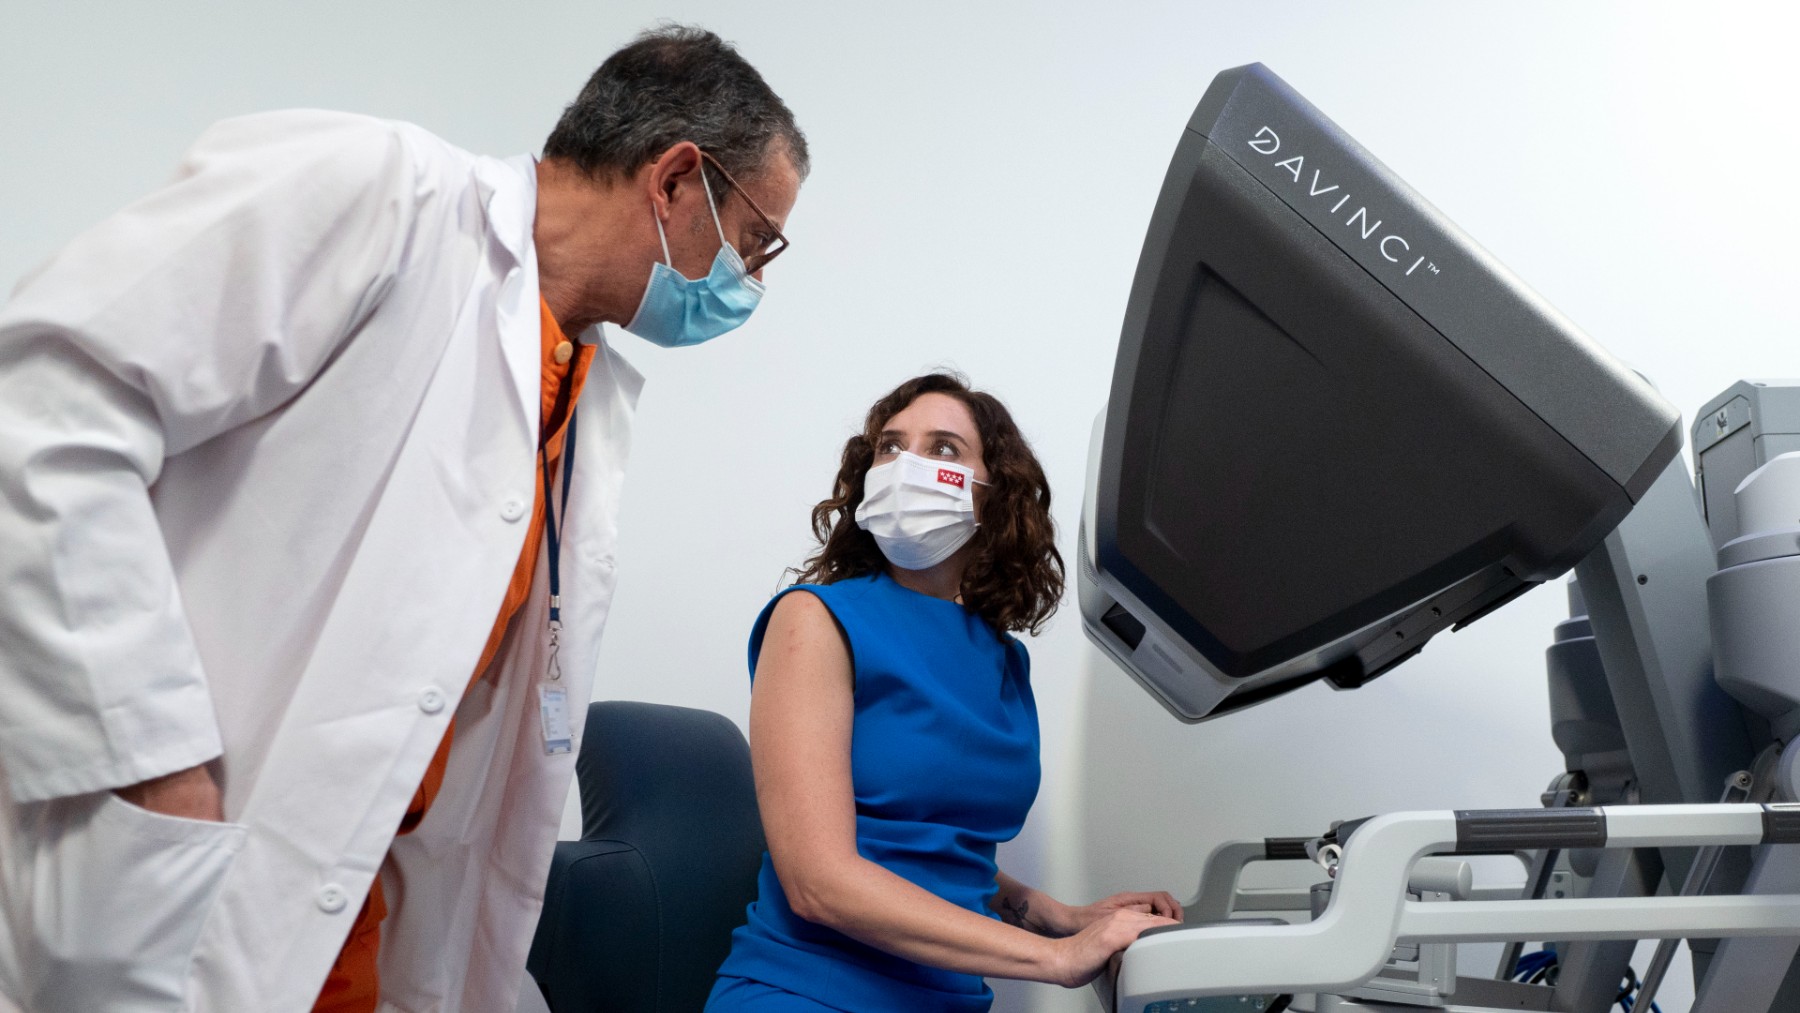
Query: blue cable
pixel 1532 963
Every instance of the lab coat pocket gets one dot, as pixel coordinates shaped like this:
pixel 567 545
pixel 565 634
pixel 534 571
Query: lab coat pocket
pixel 120 895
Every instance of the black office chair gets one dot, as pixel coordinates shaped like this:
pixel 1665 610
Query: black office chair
pixel 638 914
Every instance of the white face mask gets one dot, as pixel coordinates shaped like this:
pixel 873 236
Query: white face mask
pixel 920 511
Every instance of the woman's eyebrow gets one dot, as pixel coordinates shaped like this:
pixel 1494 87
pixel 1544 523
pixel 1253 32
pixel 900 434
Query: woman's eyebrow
pixel 936 434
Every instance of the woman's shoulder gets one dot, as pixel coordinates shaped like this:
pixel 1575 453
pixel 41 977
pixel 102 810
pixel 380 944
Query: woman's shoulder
pixel 794 600
pixel 835 597
pixel 835 602
pixel 800 610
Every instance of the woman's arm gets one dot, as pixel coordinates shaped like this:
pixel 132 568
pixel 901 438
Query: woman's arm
pixel 1030 909
pixel 1037 911
pixel 801 712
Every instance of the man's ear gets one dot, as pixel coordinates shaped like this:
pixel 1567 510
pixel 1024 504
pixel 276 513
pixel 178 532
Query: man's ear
pixel 673 177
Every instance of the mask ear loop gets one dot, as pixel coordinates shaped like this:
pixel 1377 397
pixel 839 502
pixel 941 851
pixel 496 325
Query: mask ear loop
pixel 979 482
pixel 710 206
pixel 735 262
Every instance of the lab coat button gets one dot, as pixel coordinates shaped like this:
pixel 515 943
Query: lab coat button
pixel 333 898
pixel 431 700
pixel 512 509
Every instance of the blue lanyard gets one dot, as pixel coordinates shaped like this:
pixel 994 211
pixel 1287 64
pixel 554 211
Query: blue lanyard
pixel 550 511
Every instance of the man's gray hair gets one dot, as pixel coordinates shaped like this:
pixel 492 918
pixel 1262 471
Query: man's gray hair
pixel 676 83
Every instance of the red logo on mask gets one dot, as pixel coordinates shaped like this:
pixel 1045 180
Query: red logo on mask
pixel 948 477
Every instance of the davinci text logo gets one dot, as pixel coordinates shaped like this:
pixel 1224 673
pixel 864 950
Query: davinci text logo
pixel 1394 248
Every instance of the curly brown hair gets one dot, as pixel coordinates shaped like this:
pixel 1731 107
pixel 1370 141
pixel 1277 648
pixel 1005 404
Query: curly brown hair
pixel 1014 578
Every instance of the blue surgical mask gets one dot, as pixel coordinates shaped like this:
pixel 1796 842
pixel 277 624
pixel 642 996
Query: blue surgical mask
pixel 678 311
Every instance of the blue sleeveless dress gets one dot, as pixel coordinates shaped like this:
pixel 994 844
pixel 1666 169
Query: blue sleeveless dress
pixel 944 764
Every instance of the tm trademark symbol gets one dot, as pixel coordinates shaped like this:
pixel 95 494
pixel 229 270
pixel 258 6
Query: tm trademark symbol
pixel 1433 268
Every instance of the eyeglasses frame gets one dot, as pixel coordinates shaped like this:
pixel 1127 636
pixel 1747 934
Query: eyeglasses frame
pixel 756 261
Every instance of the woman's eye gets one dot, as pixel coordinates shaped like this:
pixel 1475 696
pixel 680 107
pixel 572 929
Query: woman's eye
pixel 944 449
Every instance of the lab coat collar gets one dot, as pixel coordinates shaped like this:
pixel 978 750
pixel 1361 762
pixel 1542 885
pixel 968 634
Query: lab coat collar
pixel 508 189
pixel 509 193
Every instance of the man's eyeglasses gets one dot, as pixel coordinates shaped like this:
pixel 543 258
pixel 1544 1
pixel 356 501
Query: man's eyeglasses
pixel 770 246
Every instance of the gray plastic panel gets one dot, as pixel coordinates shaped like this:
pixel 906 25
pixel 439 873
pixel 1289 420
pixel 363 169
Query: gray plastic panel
pixel 1300 476
pixel 1610 413
pixel 1743 428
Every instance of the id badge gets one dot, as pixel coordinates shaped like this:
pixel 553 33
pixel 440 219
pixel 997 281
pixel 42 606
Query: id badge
pixel 553 715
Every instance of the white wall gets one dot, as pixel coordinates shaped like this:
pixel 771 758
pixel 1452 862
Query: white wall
pixel 983 176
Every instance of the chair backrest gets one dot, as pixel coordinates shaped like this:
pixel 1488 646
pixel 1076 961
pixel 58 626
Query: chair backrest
pixel 638 914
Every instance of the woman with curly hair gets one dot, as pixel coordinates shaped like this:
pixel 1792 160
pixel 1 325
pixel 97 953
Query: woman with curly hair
pixel 894 734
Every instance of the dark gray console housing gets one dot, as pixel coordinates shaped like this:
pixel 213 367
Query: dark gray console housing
pixel 1337 426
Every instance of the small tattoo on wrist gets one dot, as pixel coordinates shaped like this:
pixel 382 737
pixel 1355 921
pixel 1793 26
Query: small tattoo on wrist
pixel 1018 912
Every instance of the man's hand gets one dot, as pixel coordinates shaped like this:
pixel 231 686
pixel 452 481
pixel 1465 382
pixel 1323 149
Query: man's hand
pixel 191 793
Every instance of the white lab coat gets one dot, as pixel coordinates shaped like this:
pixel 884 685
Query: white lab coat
pixel 267 447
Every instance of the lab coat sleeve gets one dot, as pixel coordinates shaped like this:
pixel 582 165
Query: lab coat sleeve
pixel 206 305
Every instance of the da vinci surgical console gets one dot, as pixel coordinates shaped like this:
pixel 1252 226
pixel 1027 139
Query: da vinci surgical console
pixel 1338 427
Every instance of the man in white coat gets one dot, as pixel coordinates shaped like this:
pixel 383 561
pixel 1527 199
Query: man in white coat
pixel 272 440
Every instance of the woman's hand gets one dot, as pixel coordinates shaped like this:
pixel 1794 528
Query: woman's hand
pixel 1080 957
pixel 1159 902
pixel 1036 911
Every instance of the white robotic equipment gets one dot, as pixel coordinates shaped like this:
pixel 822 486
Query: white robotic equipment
pixel 1338 427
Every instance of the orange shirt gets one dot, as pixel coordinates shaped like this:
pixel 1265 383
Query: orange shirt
pixel 563 361
pixel 353 986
